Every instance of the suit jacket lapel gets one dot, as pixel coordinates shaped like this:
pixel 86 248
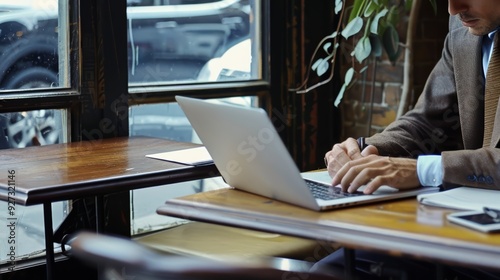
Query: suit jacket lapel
pixel 470 86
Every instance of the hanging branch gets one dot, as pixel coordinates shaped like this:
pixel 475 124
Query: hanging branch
pixel 379 18
pixel 321 65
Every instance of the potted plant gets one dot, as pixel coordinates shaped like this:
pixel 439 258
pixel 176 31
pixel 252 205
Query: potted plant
pixel 372 24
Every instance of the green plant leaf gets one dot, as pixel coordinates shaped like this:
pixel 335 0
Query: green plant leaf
pixel 340 95
pixel 363 49
pixel 338 6
pixel 376 19
pixel 326 46
pixel 390 41
pixel 356 9
pixel 393 16
pixel 321 66
pixel 347 81
pixel 353 27
pixel 348 76
pixel 371 8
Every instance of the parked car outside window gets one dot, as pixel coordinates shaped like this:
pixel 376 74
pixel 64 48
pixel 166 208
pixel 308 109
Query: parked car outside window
pixel 169 41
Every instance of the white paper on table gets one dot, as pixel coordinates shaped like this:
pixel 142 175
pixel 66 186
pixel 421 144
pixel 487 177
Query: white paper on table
pixel 191 156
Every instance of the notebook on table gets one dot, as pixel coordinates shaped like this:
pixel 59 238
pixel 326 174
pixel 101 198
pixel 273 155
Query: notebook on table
pixel 250 156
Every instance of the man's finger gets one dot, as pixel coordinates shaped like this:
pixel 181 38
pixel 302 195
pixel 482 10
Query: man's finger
pixel 352 148
pixel 369 150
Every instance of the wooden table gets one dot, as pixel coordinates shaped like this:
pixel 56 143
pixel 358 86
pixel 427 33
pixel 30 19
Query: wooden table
pixel 401 227
pixel 42 175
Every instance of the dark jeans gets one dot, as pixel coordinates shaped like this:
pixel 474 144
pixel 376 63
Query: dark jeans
pixel 371 265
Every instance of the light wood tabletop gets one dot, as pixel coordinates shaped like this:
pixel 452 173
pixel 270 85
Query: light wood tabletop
pixel 400 227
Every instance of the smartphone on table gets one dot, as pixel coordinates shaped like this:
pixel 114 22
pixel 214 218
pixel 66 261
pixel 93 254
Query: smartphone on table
pixel 487 220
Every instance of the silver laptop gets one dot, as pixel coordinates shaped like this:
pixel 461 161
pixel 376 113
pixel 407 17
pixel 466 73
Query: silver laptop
pixel 250 156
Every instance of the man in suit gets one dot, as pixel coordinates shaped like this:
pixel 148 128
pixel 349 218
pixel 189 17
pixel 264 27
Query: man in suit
pixel 445 129
pixel 440 141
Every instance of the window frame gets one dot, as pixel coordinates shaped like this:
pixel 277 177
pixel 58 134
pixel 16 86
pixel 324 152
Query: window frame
pixel 165 93
pixel 59 98
pixel 261 88
pixel 105 95
pixel 52 98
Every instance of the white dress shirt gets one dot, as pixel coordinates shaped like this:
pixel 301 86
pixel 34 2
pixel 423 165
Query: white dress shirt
pixel 429 167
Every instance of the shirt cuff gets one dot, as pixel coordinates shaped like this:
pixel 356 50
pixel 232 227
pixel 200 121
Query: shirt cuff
pixel 430 171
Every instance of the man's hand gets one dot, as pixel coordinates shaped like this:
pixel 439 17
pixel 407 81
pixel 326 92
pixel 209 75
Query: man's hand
pixel 345 152
pixel 375 171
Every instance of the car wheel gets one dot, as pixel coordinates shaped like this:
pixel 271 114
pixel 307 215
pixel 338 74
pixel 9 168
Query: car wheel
pixel 39 127
pixel 36 77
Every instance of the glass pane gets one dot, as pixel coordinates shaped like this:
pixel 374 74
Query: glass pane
pixel 30 52
pixel 32 128
pixel 20 130
pixel 182 41
pixel 166 120
pixel 29 233
pixel 145 201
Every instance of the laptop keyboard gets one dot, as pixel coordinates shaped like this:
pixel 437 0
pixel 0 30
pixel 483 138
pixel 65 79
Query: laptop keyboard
pixel 326 192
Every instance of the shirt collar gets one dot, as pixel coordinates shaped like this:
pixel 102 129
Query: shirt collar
pixel 491 35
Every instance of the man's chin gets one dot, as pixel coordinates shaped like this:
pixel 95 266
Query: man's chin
pixel 477 32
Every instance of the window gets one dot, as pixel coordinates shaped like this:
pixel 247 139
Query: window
pixel 31 55
pixel 109 68
pixel 34 55
pixel 34 69
pixel 185 43
pixel 190 41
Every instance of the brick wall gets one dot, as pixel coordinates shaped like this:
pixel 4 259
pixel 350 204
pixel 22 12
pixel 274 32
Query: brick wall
pixel 372 102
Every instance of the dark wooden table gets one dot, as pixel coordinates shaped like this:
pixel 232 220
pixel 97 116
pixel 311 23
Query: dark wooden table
pixel 65 171
pixel 45 174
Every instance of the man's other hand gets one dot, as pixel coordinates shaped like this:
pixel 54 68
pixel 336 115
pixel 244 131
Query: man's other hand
pixel 345 152
pixel 375 171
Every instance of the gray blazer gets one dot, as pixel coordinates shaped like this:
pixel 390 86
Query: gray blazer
pixel 448 117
